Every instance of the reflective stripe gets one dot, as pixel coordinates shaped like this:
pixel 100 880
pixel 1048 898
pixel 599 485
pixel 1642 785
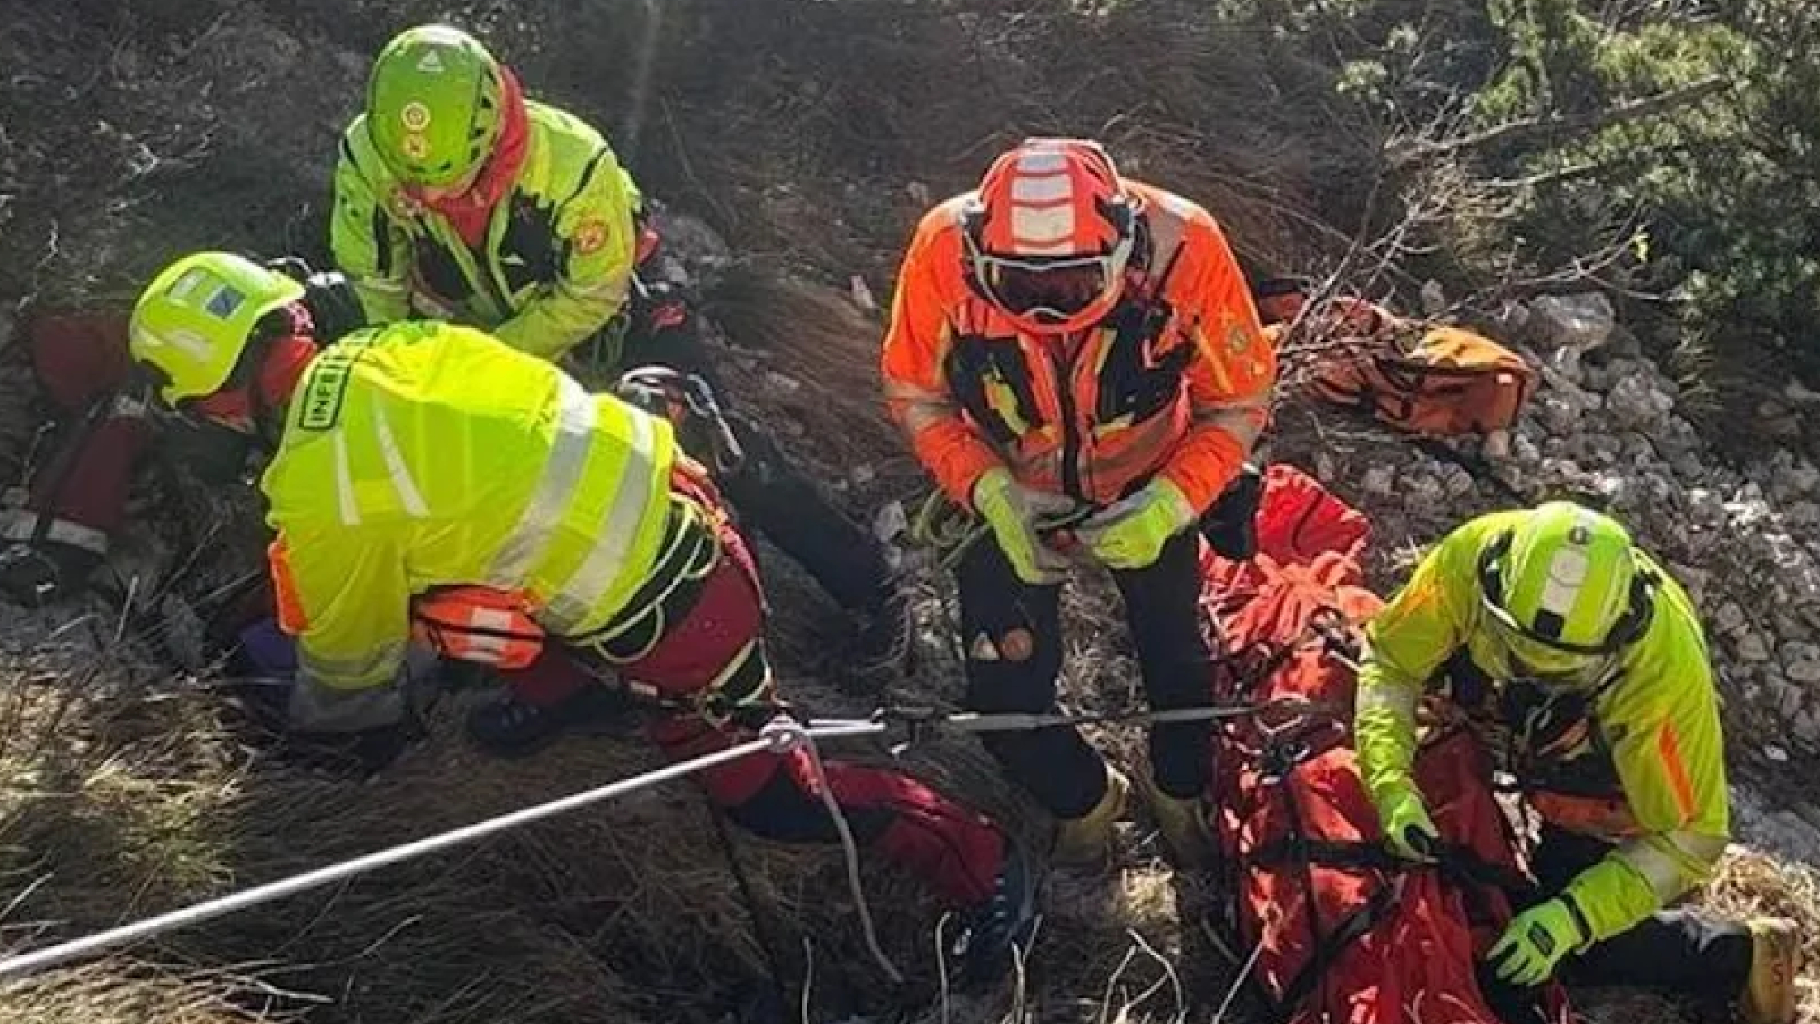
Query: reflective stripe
pixel 22 525
pixel 344 481
pixel 355 671
pixel 903 391
pixel 1242 424
pixel 570 605
pixel 487 643
pixel 1394 700
pixel 1669 870
pixel 382 284
pixel 561 474
pixel 920 416
pixel 406 488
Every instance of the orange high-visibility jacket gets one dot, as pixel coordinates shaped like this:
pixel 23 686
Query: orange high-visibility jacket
pixel 1175 380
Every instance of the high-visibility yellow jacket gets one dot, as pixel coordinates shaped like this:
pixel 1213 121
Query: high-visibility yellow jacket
pixel 1656 721
pixel 557 263
pixel 424 454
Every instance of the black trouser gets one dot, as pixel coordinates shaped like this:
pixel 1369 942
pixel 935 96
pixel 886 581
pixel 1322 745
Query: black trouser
pixel 1013 639
pixel 769 494
pixel 1677 950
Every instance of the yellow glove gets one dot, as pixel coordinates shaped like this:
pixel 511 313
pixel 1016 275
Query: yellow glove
pixel 1536 941
pixel 1408 830
pixel 1013 511
pixel 1130 534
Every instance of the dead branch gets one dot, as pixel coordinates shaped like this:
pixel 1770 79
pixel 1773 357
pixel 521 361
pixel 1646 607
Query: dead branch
pixel 1403 152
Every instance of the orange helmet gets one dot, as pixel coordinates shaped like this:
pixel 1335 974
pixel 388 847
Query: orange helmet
pixel 1048 235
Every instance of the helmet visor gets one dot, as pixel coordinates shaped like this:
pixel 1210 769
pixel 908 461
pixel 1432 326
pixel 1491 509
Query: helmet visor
pixel 1549 663
pixel 1047 289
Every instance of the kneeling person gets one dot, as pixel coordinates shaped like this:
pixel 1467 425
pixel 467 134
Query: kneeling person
pixel 1586 665
pixel 423 455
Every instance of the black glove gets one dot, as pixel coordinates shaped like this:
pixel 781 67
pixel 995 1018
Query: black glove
pixel 1230 524
pixel 334 306
pixel 37 574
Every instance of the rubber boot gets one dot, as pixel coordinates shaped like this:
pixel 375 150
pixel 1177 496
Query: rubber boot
pixel 1087 840
pixel 1775 960
pixel 1184 824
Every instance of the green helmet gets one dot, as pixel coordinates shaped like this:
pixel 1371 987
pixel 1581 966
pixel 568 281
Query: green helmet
pixel 192 323
pixel 434 107
pixel 1561 591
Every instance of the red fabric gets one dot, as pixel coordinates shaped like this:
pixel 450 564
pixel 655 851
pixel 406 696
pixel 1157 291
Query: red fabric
pixel 955 851
pixel 1417 963
pixel 93 492
pixel 78 357
pixel 467 212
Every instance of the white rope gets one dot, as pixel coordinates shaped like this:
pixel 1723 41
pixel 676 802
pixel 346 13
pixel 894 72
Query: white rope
pixel 778 740
pixel 787 735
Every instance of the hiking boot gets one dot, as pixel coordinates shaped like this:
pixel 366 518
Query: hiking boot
pixel 885 650
pixel 990 931
pixel 508 727
pixel 1087 840
pixel 1775 960
pixel 1185 825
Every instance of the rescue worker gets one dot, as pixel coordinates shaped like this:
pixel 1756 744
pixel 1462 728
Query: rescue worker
pixel 1068 346
pixel 1585 665
pixel 421 456
pixel 457 198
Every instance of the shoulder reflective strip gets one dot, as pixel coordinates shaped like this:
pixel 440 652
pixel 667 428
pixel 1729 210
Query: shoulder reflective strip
pixel 578 595
pixel 1664 871
pixel 408 495
pixel 21 524
pixel 561 473
pixel 354 670
pixel 344 481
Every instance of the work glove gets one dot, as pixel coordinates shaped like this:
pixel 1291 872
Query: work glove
pixel 1130 534
pixel 1408 830
pixel 1015 513
pixel 1536 941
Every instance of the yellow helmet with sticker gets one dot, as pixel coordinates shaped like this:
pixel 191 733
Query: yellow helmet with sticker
pixel 192 323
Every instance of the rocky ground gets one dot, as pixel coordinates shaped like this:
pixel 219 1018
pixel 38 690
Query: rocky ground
pixel 129 135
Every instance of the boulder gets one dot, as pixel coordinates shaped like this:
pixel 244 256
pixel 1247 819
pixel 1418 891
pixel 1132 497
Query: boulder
pixel 1565 327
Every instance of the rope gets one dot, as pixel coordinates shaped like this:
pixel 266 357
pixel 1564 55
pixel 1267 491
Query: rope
pixel 789 735
pixel 919 720
pixel 780 739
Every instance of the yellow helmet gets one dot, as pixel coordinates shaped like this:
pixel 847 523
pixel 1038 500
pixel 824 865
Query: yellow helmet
pixel 192 323
pixel 1564 591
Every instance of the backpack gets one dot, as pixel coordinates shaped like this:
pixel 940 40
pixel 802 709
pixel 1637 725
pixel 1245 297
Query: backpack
pixel 1429 380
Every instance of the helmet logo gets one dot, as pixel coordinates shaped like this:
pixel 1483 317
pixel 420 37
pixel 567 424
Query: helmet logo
pixel 416 146
pixel 431 63
pixel 415 115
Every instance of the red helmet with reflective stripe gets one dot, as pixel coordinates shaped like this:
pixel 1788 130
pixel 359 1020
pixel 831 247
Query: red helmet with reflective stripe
pixel 1049 233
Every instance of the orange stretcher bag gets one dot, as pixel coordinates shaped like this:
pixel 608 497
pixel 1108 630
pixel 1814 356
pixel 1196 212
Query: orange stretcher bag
pixel 1436 380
